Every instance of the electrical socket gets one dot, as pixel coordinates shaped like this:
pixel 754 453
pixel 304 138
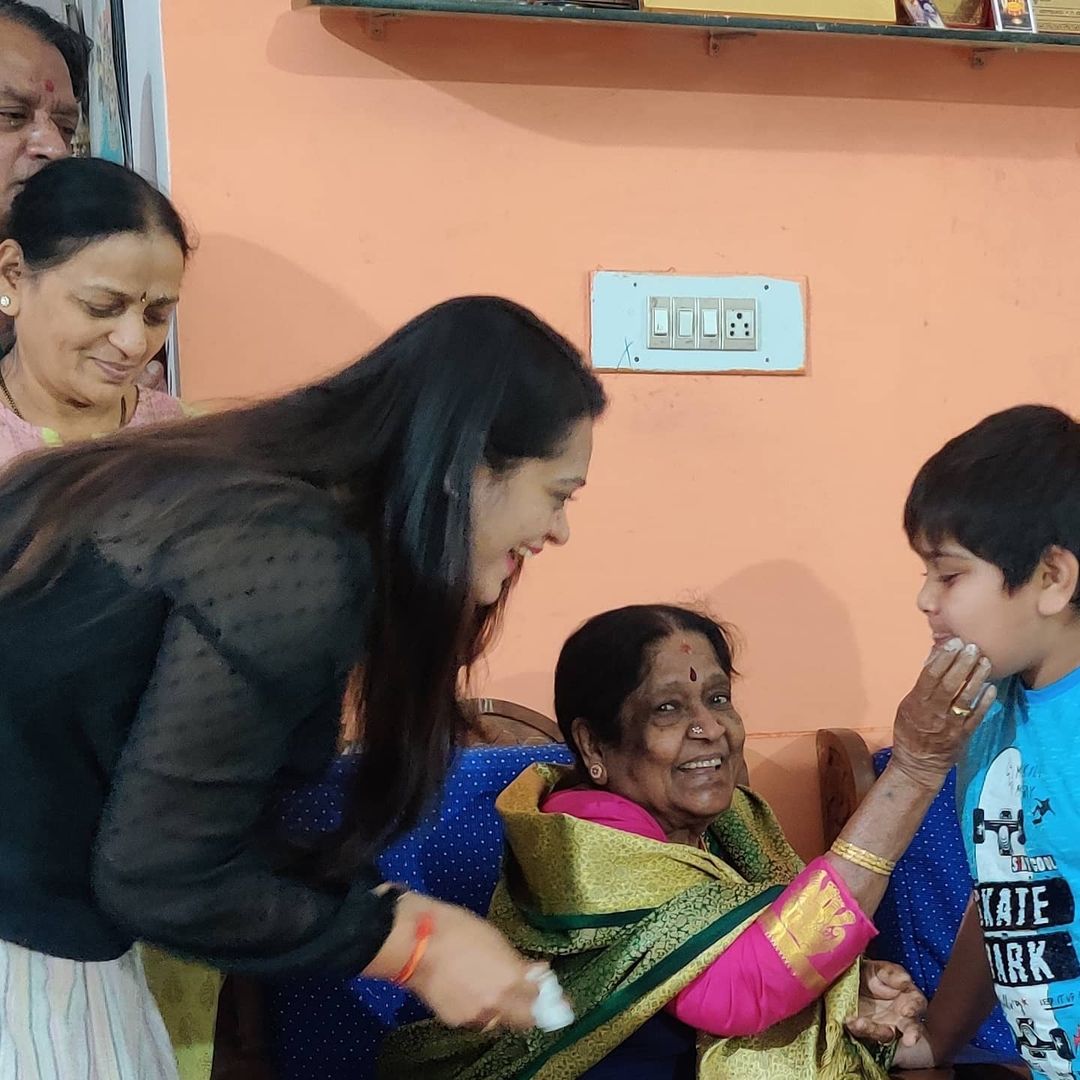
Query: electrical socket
pixel 740 325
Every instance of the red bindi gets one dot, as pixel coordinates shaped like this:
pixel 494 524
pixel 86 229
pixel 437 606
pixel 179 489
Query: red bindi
pixel 693 675
pixel 50 85
pixel 685 647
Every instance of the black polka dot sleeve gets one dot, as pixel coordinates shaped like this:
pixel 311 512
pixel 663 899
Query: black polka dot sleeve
pixel 266 616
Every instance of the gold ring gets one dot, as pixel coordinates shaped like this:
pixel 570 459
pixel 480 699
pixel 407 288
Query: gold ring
pixel 491 1025
pixel 960 712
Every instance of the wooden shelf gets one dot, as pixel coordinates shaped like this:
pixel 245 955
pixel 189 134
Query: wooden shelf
pixel 721 24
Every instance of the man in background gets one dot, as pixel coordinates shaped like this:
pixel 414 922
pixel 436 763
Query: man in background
pixel 43 72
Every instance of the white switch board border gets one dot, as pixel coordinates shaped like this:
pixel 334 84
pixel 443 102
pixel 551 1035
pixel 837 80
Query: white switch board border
pixel 619 324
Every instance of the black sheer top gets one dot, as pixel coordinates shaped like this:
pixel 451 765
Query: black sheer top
pixel 153 702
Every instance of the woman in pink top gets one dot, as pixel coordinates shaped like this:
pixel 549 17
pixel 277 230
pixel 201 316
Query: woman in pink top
pixel 90 274
pixel 689 937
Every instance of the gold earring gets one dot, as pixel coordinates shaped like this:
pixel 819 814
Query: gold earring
pixel 596 771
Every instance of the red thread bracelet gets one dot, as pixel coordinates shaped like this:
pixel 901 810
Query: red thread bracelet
pixel 425 926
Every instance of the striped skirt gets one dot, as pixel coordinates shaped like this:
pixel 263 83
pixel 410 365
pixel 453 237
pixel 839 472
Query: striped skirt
pixel 68 1020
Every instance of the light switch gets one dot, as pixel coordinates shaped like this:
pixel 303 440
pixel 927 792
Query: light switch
pixel 683 318
pixel 659 325
pixel 708 323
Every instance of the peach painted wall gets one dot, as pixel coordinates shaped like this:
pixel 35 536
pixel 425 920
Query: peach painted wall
pixel 340 184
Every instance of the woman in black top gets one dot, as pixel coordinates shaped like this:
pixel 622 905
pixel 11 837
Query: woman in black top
pixel 180 611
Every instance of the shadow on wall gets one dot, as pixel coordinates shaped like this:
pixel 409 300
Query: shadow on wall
pixel 266 287
pixel 827 95
pixel 779 609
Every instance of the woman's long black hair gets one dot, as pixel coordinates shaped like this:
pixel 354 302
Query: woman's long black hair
pixel 398 437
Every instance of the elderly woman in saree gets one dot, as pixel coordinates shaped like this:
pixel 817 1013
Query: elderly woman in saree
pixel 691 939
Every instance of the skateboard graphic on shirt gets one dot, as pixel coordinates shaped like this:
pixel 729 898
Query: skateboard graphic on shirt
pixel 1025 920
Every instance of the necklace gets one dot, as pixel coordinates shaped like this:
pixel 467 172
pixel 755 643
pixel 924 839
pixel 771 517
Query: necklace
pixel 7 394
pixel 15 408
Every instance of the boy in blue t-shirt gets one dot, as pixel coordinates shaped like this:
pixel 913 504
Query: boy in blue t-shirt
pixel 995 516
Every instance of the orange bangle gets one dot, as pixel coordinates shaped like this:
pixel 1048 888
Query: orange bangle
pixel 425 925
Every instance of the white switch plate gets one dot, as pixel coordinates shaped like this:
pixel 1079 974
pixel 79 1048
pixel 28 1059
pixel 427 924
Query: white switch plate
pixel 621 321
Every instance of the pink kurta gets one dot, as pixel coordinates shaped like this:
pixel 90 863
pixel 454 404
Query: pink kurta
pixel 18 437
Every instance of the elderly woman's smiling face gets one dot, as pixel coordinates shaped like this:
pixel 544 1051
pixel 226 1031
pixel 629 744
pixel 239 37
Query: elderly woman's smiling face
pixel 681 749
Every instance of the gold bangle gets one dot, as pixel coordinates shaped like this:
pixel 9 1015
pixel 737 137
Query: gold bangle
pixel 861 857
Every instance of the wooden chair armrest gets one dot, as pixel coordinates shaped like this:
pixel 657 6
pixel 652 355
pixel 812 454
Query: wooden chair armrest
pixel 845 773
pixel 493 722
pixel 489 722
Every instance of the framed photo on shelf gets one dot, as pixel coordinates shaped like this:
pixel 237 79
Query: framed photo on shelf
pixel 964 14
pixel 1057 16
pixel 1015 15
pixel 923 13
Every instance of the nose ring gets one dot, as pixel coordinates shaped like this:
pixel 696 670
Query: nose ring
pixel 697 729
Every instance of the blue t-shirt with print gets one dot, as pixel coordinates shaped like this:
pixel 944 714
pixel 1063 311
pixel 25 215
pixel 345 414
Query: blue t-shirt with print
pixel 1019 805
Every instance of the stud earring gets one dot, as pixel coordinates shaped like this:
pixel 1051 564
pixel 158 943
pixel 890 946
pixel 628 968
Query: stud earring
pixel 5 301
pixel 596 771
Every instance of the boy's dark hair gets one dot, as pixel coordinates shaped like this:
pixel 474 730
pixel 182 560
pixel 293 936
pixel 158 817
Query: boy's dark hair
pixel 70 44
pixel 1008 490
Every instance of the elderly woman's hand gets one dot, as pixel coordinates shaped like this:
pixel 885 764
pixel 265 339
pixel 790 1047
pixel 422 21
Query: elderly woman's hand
pixel 936 719
pixel 891 1006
